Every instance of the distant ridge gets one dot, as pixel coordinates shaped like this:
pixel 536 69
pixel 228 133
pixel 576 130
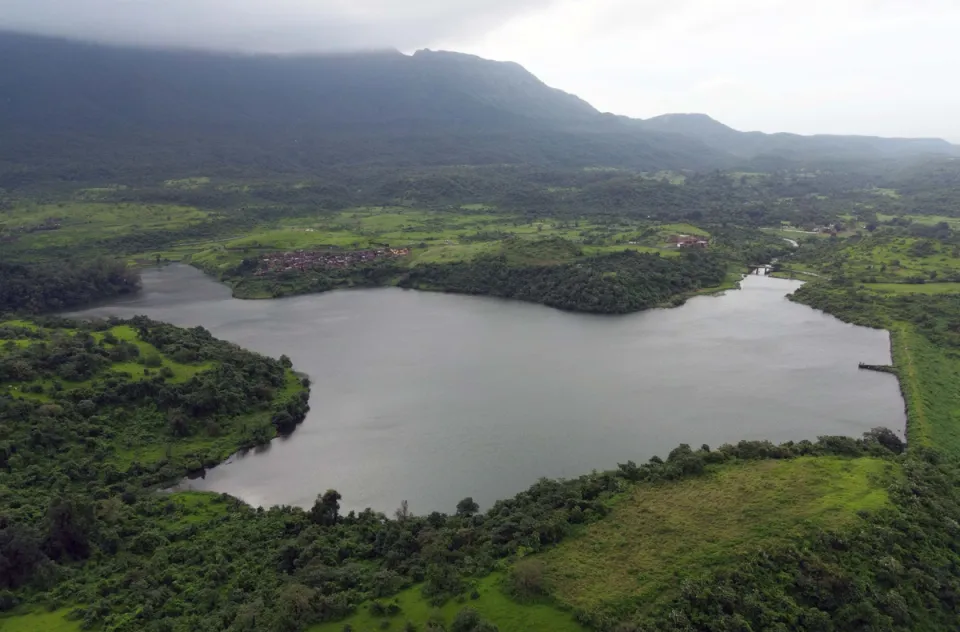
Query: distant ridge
pixel 821 146
pixel 78 111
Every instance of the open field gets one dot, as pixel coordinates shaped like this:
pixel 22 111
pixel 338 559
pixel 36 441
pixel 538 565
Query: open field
pixel 68 224
pixel 928 378
pixel 884 259
pixel 929 220
pixel 660 534
pixel 432 237
pixel 39 621
pixel 915 288
pixel 492 604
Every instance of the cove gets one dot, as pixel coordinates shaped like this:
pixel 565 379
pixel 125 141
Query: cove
pixel 430 397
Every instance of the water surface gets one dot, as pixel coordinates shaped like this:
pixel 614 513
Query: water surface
pixel 431 397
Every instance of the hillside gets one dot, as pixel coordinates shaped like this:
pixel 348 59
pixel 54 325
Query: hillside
pixel 88 112
pixel 76 111
pixel 793 147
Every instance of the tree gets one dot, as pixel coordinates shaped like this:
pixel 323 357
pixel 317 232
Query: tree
pixel 326 510
pixel 403 513
pixel 467 507
pixel 69 526
pixel 887 438
pixel 19 554
pixel 526 579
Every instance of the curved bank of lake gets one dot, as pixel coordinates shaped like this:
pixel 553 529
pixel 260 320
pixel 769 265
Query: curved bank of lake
pixel 432 397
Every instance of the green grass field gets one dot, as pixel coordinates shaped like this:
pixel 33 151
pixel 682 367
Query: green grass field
pixel 895 260
pixel 929 220
pixel 660 534
pixel 914 288
pixel 81 222
pixel 433 237
pixel 35 621
pixel 928 380
pixel 493 604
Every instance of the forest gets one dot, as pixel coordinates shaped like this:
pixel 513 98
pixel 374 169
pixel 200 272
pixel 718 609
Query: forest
pixel 60 285
pixel 611 284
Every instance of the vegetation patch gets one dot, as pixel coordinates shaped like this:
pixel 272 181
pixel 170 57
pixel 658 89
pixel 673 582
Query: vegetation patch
pixel 486 597
pixel 56 621
pixel 914 288
pixel 659 535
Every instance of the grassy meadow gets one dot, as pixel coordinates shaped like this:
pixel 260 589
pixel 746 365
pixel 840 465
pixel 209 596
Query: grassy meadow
pixel 929 377
pixel 79 222
pixel 39 621
pixel 434 237
pixel 491 602
pixel 660 534
pixel 914 288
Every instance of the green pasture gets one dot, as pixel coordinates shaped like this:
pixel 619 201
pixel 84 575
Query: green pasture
pixel 492 604
pixel 914 288
pixel 82 223
pixel 38 621
pixel 660 534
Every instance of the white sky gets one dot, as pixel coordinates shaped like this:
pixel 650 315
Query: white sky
pixel 885 67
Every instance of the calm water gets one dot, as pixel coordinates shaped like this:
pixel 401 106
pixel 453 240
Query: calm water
pixel 431 397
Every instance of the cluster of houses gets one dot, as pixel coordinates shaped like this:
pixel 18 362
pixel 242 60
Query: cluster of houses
pixel 690 241
pixel 303 260
pixel 11 234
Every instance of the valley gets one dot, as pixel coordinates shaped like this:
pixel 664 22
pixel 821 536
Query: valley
pixel 415 342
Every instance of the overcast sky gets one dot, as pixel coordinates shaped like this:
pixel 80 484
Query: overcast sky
pixel 886 67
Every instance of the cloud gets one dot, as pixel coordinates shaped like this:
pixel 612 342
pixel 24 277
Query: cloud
pixel 279 26
pixel 807 66
pixel 810 66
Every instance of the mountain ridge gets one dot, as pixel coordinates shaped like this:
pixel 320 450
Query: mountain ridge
pixel 81 111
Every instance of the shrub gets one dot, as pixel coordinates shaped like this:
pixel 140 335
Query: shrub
pixel 526 580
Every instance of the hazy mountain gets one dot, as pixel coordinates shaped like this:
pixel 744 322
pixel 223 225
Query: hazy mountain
pixel 793 146
pixel 80 111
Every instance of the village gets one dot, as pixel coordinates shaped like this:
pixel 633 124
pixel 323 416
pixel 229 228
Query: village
pixel 690 241
pixel 304 260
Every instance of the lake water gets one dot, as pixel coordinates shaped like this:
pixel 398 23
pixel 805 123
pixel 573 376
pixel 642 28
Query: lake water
pixel 431 397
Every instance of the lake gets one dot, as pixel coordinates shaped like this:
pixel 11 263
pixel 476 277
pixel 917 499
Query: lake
pixel 432 397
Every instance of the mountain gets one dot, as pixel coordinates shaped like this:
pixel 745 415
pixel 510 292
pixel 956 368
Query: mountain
pixel 77 111
pixel 751 145
pixel 82 111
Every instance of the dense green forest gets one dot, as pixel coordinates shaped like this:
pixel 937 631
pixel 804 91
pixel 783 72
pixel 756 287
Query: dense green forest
pixel 610 284
pixel 59 285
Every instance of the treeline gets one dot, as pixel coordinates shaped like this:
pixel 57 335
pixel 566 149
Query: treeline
pixel 936 316
pixel 63 284
pixel 610 284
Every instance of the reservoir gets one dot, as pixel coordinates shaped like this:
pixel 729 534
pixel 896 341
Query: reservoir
pixel 430 397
